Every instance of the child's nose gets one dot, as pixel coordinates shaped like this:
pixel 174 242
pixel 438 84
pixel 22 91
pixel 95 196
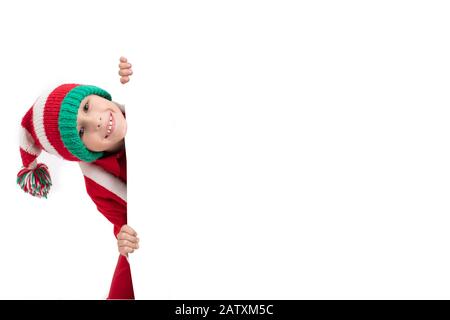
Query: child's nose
pixel 95 122
pixel 99 122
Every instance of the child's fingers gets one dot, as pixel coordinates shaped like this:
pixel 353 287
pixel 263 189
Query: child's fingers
pixel 126 228
pixel 123 59
pixel 126 243
pixel 124 80
pixel 126 236
pixel 125 72
pixel 124 65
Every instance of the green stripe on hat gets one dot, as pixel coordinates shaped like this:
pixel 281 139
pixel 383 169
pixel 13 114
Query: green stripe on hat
pixel 67 121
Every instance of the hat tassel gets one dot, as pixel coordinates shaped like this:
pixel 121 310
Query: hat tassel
pixel 35 181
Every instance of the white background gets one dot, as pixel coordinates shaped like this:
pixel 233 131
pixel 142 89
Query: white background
pixel 276 149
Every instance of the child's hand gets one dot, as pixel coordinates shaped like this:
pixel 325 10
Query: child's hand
pixel 125 70
pixel 127 240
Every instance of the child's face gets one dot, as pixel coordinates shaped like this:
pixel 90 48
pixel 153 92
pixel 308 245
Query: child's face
pixel 94 124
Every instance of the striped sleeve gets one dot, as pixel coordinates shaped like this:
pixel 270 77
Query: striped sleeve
pixel 108 193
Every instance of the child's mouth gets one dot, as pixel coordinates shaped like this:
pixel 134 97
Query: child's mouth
pixel 110 126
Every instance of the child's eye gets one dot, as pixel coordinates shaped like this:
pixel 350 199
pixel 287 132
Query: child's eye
pixel 81 132
pixel 86 107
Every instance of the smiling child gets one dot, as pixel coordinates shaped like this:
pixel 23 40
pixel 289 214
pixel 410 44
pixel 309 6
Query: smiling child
pixel 81 123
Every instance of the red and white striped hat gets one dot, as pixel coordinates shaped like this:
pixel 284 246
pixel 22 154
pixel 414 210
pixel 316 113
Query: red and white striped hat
pixel 51 125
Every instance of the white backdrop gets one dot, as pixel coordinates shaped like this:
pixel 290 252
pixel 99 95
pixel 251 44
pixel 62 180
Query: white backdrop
pixel 276 149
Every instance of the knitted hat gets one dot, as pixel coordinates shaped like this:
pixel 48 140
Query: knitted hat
pixel 51 125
